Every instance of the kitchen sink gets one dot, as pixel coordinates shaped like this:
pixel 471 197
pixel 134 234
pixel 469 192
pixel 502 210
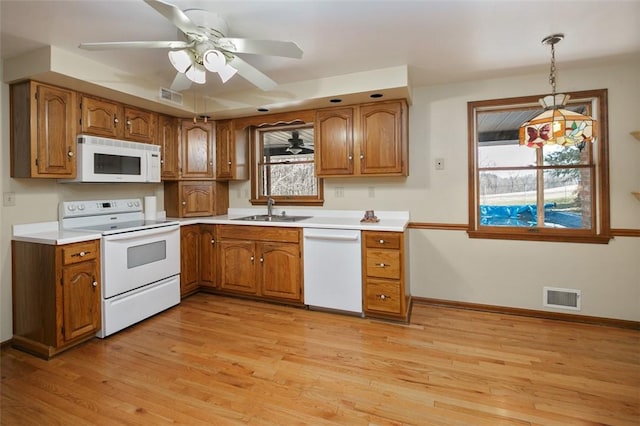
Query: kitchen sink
pixel 272 218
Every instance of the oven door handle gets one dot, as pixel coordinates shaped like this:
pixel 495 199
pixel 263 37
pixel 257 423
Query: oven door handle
pixel 142 233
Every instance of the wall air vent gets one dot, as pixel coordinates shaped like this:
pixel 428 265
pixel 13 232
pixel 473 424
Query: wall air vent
pixel 171 96
pixel 563 298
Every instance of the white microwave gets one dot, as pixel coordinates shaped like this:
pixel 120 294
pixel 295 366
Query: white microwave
pixel 113 160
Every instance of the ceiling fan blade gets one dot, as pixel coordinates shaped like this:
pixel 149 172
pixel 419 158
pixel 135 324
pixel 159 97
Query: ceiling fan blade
pixel 180 82
pixel 287 49
pixel 251 74
pixel 135 45
pixel 176 16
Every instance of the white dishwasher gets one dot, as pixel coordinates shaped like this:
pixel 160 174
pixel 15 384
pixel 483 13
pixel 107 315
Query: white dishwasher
pixel 333 269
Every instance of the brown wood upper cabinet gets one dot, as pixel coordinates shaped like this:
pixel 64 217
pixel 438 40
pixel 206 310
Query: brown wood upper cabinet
pixel 102 117
pixel 43 131
pixel 168 139
pixel 362 140
pixel 231 151
pixel 196 153
pixel 195 198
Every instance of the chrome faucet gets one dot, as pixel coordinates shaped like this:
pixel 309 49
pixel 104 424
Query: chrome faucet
pixel 270 203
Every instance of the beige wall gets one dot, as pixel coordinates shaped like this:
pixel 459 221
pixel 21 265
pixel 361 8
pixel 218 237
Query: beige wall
pixel 444 264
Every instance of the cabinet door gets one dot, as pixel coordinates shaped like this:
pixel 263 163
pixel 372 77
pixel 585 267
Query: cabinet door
pixel 238 266
pixel 197 150
pixel 334 142
pixel 80 300
pixel 140 125
pixel 56 138
pixel 189 259
pixel 208 261
pixel 382 139
pixel 168 141
pixel 280 270
pixel 224 149
pixel 101 117
pixel 197 199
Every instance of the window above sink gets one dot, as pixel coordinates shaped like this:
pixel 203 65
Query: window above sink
pixel 284 165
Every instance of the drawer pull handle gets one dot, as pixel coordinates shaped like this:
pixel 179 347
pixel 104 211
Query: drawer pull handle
pixel 381 265
pixel 383 296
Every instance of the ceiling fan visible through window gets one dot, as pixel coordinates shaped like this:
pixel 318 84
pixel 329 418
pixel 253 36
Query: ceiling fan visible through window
pixel 206 48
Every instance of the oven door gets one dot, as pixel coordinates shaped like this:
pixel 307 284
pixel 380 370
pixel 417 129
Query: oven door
pixel 134 259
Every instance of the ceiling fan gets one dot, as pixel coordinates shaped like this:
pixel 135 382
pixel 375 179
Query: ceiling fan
pixel 206 48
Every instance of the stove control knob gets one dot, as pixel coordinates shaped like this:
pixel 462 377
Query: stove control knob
pixel 137 203
pixel 80 206
pixel 130 204
pixel 71 207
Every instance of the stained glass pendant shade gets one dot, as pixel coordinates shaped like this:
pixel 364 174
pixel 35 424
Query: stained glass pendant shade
pixel 556 125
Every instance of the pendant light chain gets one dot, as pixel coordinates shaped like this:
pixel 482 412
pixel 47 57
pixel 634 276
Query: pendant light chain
pixel 552 71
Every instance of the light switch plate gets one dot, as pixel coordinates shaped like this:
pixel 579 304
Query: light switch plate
pixel 8 199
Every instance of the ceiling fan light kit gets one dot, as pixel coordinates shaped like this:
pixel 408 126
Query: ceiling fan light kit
pixel 181 60
pixel 207 49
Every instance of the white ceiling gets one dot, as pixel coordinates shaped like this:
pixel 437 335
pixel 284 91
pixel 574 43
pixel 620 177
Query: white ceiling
pixel 440 41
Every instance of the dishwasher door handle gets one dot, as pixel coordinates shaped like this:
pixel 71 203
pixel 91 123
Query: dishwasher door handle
pixel 332 237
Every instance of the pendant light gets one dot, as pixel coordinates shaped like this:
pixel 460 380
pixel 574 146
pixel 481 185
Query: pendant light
pixel 556 125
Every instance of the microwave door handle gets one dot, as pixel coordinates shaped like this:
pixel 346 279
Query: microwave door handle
pixel 142 233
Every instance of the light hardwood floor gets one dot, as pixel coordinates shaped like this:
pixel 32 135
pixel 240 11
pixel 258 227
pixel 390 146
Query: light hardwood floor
pixel 217 361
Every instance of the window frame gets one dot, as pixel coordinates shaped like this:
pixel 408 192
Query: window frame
pixel 600 231
pixel 257 198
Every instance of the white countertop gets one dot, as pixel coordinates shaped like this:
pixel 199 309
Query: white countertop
pixel 390 221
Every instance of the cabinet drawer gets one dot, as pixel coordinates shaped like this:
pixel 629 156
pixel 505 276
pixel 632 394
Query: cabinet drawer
pixel 74 253
pixel 383 296
pixel 388 240
pixel 383 263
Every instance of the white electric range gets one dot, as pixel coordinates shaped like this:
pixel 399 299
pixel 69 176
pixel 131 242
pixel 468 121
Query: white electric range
pixel 140 259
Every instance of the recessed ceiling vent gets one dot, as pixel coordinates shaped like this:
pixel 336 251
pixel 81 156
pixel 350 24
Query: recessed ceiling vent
pixel 171 96
pixel 563 298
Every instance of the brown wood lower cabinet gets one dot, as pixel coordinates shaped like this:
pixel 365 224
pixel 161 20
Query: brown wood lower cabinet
pixel 56 295
pixel 384 266
pixel 261 261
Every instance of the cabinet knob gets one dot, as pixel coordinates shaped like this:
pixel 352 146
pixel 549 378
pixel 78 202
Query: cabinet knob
pixel 115 121
pixel 213 241
pixel 252 259
pixel 362 156
pixel 381 241
pixel 70 153
pixel 229 163
pixel 350 157
pixel 262 260
pixel 161 161
pixel 95 284
pixel 184 203
pixel 381 265
pixel 383 297
pixel 82 254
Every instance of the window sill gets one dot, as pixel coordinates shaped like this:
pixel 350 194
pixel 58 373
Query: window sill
pixel 285 202
pixel 590 239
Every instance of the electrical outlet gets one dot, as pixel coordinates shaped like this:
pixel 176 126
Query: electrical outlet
pixel 439 163
pixel 8 199
pixel 339 192
pixel 372 192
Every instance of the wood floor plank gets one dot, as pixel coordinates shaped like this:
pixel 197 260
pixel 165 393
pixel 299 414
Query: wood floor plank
pixel 225 361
